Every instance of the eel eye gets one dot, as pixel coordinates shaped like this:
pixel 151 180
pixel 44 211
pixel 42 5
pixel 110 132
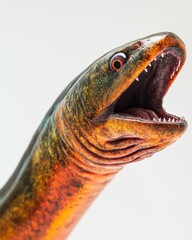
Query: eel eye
pixel 117 61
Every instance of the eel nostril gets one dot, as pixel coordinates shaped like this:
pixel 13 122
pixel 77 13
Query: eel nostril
pixel 137 45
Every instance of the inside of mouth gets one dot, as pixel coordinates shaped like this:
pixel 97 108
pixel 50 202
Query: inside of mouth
pixel 144 97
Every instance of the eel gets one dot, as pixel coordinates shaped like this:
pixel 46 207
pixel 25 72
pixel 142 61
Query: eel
pixel 110 115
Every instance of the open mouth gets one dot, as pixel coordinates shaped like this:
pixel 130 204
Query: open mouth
pixel 143 100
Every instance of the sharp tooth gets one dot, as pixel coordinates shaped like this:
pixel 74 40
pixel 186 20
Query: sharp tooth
pixel 137 79
pixel 182 118
pixel 172 75
pixel 159 119
pixel 155 59
pixel 154 119
pixel 169 120
pixel 149 64
pixel 178 65
pixel 146 70
pixel 173 120
pixel 164 120
pixel 162 54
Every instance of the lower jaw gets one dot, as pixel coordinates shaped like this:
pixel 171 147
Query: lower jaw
pixel 159 115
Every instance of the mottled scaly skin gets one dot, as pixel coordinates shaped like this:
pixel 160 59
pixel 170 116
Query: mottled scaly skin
pixel 79 147
pixel 52 192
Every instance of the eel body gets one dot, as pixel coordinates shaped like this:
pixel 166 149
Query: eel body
pixel 110 115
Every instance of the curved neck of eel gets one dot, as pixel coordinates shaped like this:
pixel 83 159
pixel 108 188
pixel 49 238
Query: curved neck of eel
pixel 46 198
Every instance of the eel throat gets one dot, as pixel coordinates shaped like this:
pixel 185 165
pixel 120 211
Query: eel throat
pixel 144 98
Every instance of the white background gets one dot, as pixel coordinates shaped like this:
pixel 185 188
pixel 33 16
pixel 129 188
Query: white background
pixel 43 46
